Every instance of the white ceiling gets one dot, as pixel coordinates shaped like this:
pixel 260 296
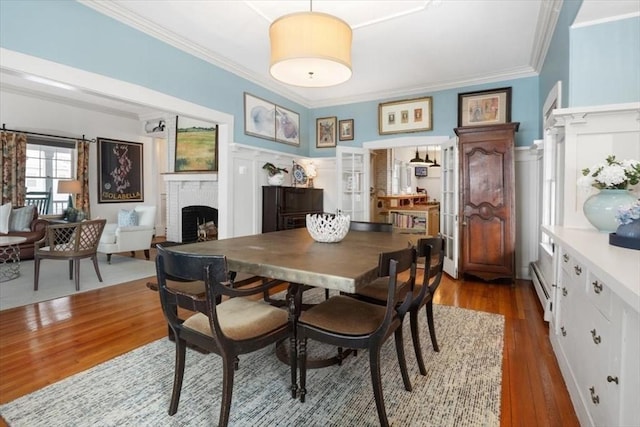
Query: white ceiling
pixel 399 47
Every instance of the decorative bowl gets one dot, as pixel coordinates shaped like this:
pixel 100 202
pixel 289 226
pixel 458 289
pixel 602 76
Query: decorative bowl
pixel 328 228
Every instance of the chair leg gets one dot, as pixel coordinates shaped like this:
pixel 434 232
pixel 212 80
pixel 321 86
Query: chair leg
pixel 432 327
pixel 94 258
pixel 36 275
pixel 181 348
pixel 108 258
pixel 402 361
pixel 76 270
pixel 376 381
pixel 146 254
pixel 293 362
pixel 133 254
pixel 70 269
pixel 227 389
pixel 415 336
pixel 303 368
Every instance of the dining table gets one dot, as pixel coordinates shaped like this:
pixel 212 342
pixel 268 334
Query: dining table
pixel 293 256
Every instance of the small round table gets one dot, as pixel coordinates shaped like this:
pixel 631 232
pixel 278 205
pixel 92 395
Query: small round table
pixel 10 257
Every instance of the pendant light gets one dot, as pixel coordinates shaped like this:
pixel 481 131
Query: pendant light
pixel 416 160
pixel 435 160
pixel 310 49
pixel 426 160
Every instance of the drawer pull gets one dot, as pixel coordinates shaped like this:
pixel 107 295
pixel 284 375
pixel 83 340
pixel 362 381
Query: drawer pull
pixel 565 258
pixel 564 292
pixel 597 287
pixel 594 397
pixel 596 338
pixel 564 331
pixel 577 269
pixel 611 379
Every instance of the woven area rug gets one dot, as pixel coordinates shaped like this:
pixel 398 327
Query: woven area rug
pixel 54 279
pixel 462 387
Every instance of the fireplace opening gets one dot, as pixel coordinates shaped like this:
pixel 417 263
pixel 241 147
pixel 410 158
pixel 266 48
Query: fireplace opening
pixel 192 217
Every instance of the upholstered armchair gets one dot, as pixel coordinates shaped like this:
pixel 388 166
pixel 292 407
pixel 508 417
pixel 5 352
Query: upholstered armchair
pixel 133 232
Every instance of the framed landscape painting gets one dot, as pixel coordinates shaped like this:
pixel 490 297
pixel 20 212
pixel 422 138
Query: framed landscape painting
pixel 120 171
pixel 196 145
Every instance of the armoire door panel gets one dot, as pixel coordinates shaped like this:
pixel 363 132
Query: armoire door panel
pixel 487 202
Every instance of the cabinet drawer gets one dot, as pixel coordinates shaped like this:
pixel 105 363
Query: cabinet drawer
pixel 599 294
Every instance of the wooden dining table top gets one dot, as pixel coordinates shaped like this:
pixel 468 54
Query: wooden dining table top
pixel 293 256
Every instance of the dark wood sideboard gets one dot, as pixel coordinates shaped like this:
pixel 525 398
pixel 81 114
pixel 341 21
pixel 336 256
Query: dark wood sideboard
pixel 286 207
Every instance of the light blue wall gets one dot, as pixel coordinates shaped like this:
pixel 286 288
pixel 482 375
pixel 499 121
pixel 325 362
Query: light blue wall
pixel 556 63
pixel 524 109
pixel 605 63
pixel 72 34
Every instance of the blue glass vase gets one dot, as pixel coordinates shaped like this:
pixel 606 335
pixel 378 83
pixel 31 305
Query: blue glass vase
pixel 601 209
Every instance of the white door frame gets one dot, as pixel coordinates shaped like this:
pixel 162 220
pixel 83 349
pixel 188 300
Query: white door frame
pixel 449 184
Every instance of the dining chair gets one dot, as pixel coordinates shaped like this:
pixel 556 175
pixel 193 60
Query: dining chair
pixel 433 250
pixel 70 242
pixel 371 226
pixel 347 322
pixel 227 322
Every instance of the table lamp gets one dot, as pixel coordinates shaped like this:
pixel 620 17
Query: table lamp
pixel 71 187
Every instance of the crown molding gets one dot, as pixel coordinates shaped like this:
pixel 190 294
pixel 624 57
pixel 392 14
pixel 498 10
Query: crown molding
pixel 547 20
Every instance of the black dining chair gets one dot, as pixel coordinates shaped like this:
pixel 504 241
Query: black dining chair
pixel 226 322
pixel 347 322
pixel 383 227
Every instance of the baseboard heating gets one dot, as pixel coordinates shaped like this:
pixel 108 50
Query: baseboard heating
pixel 543 289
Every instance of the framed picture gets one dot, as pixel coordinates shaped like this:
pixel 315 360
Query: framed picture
pixel 287 126
pixel 259 117
pixel 411 115
pixel 120 171
pixel 484 107
pixel 421 171
pixel 345 130
pixel 196 145
pixel 267 120
pixel 326 131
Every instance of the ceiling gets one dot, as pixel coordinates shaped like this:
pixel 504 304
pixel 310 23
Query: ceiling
pixel 399 47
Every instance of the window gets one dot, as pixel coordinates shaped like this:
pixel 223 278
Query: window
pixel 49 161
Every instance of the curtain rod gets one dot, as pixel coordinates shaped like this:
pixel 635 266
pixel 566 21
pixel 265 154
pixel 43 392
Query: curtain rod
pixel 4 129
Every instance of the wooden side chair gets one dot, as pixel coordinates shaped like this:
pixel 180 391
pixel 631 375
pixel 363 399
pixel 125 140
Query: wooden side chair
pixel 347 322
pixel 226 322
pixel 432 249
pixel 70 242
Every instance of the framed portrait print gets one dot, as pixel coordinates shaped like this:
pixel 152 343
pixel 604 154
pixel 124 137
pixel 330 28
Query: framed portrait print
pixel 484 107
pixel 411 115
pixel 326 132
pixel 196 145
pixel 345 130
pixel 120 172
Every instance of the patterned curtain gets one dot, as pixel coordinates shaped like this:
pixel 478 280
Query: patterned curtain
pixel 82 199
pixel 12 167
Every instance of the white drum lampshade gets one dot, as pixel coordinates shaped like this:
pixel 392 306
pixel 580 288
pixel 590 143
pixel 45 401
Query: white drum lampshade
pixel 310 49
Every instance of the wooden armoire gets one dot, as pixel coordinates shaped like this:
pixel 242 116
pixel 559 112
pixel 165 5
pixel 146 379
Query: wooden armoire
pixel 487 200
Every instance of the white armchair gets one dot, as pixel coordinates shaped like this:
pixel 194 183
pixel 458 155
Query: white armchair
pixel 116 238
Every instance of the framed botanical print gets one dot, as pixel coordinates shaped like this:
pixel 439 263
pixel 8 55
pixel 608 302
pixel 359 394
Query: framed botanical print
pixel 266 120
pixel 409 115
pixel 326 132
pixel 345 130
pixel 120 172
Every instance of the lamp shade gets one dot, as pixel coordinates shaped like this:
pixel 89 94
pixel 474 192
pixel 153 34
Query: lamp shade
pixel 310 49
pixel 73 186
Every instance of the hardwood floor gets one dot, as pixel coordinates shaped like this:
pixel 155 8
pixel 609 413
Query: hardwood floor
pixel 43 343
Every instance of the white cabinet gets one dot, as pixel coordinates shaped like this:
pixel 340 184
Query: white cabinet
pixel 595 326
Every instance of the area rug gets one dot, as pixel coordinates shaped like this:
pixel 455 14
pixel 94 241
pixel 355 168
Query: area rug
pixel 55 283
pixel 462 387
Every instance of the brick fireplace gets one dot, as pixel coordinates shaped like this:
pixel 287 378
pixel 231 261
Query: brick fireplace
pixel 187 189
